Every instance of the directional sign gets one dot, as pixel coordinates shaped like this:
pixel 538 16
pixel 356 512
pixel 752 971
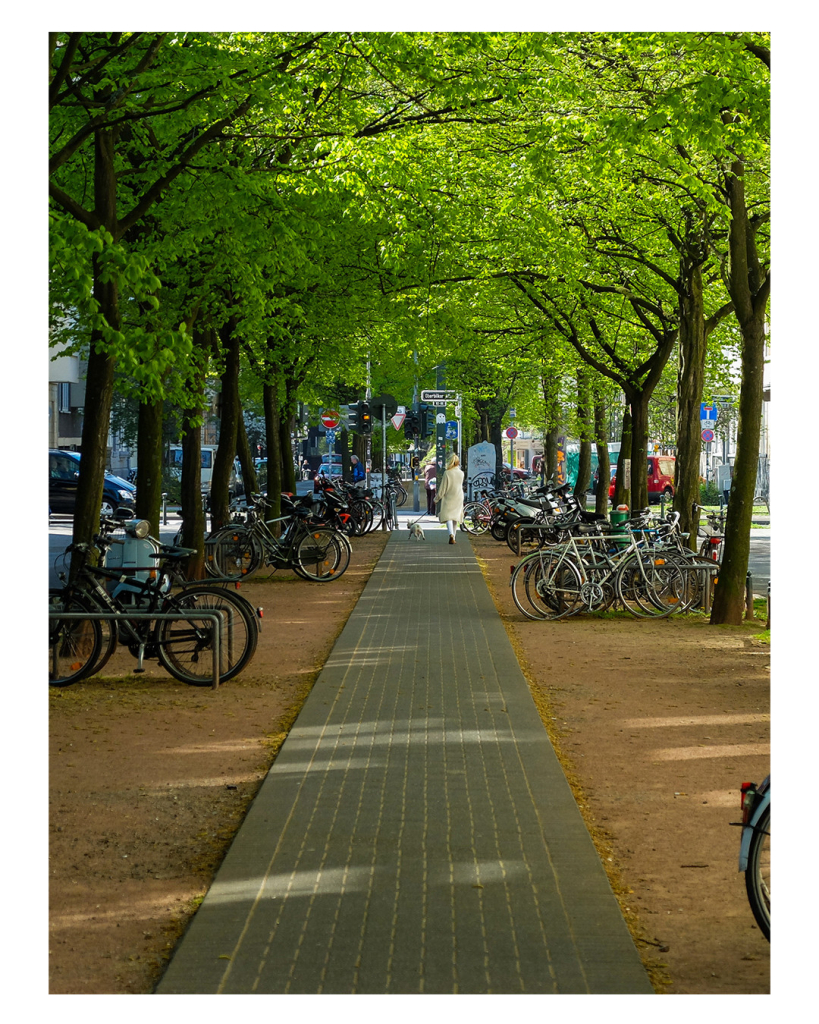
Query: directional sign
pixel 438 396
pixel 330 419
pixel 398 420
pixel 512 432
pixel 707 436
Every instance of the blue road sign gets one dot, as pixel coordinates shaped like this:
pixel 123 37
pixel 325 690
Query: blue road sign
pixel 452 430
pixel 708 412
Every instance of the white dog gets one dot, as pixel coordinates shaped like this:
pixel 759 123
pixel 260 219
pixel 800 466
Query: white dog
pixel 416 533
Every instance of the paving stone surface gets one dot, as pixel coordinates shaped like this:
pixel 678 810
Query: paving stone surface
pixel 416 833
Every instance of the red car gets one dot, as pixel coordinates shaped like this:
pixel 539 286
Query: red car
pixel 660 477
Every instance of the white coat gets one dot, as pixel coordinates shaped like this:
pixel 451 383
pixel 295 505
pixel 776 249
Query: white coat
pixel 450 496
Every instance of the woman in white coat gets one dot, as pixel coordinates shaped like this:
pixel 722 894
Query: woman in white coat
pixel 450 496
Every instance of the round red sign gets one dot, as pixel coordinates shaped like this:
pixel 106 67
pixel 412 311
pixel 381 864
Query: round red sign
pixel 330 419
pixel 512 432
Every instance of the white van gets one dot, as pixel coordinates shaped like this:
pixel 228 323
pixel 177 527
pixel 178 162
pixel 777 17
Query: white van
pixel 208 454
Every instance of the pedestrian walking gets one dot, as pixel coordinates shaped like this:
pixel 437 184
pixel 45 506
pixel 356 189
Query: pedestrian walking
pixel 430 484
pixel 450 497
pixel 358 469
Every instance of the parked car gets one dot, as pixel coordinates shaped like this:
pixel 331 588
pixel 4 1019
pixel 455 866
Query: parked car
pixel 660 474
pixel 519 474
pixel 64 476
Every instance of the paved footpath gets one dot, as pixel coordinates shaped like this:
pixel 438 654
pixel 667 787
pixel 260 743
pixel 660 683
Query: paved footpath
pixel 416 833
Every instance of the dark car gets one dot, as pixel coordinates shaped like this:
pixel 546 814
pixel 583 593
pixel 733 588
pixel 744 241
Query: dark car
pixel 64 476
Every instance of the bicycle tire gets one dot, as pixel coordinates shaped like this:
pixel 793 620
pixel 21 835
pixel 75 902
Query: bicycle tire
pixel 499 528
pixel 185 647
pixel 693 568
pixel 74 644
pixel 758 873
pixel 648 590
pixel 553 587
pixel 318 556
pixel 476 518
pixel 529 538
pixel 236 554
pixel 519 591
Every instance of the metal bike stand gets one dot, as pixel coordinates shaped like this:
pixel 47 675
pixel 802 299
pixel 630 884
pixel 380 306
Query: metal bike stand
pixel 213 615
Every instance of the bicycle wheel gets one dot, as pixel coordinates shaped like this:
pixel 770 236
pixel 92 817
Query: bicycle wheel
pixel 519 590
pixel 695 570
pixel 74 644
pixel 649 586
pixel 476 518
pixel 758 873
pixel 530 536
pixel 499 528
pixel 185 646
pixel 319 556
pixel 400 496
pixel 553 587
pixel 235 554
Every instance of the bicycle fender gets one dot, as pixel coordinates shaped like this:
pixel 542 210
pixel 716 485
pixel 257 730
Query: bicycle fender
pixel 748 830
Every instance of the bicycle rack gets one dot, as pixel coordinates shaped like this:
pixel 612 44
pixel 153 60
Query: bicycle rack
pixel 214 616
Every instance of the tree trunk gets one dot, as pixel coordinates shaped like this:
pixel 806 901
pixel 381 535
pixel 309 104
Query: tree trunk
pixel 287 423
pixel 149 464
pixel 193 512
pixel 622 494
pixel 601 438
pixel 693 342
pixel 639 448
pixel 99 387
pixel 274 454
pixel 749 288
pixel 228 429
pixel 245 455
pixel 586 431
pixel 551 425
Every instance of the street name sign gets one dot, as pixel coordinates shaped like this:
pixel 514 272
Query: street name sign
pixel 438 396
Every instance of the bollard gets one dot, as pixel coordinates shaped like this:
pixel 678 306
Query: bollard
pixel 164 509
pixel 749 597
pixel 768 622
pixel 706 593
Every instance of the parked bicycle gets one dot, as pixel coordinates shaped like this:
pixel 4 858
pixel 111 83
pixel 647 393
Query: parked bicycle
pixel 81 648
pixel 645 567
pixel 755 850
pixel 313 552
pixel 712 531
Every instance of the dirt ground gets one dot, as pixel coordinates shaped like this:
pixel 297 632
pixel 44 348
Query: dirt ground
pixel 656 723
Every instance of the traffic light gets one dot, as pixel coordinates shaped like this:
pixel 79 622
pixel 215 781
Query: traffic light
pixel 427 416
pixel 365 420
pixel 411 425
pixel 353 416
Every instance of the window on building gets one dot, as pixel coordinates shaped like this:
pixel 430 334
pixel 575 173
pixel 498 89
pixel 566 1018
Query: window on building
pixel 64 398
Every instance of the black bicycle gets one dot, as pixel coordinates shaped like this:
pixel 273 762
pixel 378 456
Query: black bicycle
pixel 79 648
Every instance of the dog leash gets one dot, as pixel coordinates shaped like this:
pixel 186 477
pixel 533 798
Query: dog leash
pixel 418 520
